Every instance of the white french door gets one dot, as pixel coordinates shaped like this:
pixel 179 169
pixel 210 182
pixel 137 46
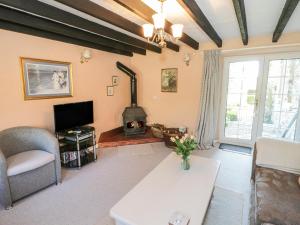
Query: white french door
pixel 279 116
pixel 241 89
pixel 261 97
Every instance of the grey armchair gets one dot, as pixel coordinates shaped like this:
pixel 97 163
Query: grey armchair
pixel 29 161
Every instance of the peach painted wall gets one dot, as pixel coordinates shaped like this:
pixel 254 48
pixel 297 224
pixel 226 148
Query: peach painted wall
pixel 89 80
pixel 170 109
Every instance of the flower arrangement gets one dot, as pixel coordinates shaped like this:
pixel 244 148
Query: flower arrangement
pixel 184 146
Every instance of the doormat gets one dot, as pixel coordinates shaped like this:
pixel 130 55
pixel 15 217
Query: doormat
pixel 236 148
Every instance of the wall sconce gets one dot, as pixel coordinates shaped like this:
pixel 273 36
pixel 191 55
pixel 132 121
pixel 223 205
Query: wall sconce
pixel 187 58
pixel 86 55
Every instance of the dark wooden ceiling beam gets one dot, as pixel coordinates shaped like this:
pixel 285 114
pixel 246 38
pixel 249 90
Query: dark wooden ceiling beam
pixel 192 8
pixel 52 36
pixel 145 12
pixel 288 9
pixel 239 7
pixel 108 16
pixel 22 18
pixel 53 13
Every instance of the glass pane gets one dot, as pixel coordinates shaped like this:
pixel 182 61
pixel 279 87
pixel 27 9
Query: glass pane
pixel 273 102
pixel 241 96
pixel 282 99
pixel 233 100
pixel 290 103
pixel 234 85
pixel 275 85
pixel 235 70
pixel 292 86
pixel 293 67
pixel 276 68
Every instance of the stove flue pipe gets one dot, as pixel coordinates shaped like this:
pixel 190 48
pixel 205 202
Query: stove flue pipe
pixel 133 83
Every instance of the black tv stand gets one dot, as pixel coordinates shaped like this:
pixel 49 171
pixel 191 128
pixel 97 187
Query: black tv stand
pixel 77 146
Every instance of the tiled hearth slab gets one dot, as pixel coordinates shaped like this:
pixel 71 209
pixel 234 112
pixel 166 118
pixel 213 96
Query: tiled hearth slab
pixel 116 137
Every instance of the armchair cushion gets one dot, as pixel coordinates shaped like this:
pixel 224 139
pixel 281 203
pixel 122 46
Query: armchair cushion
pixel 26 161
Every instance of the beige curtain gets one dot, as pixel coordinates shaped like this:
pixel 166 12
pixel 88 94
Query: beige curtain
pixel 210 99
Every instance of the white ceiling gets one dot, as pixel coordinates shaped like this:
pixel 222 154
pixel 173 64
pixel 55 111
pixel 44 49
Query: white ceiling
pixel 262 16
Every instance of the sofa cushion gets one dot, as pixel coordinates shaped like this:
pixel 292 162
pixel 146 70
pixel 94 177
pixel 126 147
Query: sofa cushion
pixel 26 161
pixel 278 154
pixel 277 197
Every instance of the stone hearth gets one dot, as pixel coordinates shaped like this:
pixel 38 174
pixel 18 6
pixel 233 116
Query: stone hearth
pixel 116 137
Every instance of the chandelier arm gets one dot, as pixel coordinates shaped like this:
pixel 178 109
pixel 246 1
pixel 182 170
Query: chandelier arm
pixel 159 35
pixel 154 36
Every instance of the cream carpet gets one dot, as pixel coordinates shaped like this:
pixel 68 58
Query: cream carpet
pixel 86 195
pixel 226 207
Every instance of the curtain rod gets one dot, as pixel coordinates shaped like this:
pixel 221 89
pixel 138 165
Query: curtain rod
pixel 261 47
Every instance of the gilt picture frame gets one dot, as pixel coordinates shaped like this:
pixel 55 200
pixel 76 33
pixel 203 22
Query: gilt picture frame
pixel 44 79
pixel 169 80
pixel 110 90
pixel 115 80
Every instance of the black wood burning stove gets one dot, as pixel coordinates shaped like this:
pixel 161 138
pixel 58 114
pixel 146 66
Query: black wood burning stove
pixel 134 117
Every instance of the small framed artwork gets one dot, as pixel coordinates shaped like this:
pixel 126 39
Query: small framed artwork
pixel 46 78
pixel 110 90
pixel 115 80
pixel 169 80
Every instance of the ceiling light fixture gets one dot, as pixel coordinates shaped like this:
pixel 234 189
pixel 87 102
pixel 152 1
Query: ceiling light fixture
pixel 156 33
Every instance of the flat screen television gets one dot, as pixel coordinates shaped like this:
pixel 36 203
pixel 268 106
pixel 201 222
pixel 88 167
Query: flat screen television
pixel 73 115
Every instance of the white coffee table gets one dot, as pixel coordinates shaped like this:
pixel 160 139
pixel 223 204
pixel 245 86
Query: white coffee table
pixel 167 189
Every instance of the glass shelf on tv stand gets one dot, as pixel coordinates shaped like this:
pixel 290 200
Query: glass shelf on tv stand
pixel 77 141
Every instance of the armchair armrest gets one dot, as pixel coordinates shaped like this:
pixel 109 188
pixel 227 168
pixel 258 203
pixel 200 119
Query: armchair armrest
pixel 5 196
pixel 278 154
pixel 48 142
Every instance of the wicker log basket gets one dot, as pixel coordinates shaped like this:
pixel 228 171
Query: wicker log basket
pixel 158 130
pixel 171 132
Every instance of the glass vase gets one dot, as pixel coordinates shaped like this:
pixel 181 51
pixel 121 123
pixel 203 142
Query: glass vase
pixel 185 164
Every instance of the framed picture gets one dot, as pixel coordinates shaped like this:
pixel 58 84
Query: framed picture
pixel 169 80
pixel 110 90
pixel 115 80
pixel 46 79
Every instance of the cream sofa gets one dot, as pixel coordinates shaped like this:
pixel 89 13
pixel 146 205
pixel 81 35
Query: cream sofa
pixel 276 193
